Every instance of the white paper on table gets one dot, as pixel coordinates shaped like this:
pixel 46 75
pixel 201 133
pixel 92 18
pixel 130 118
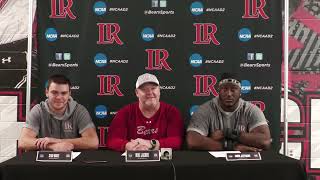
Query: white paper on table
pixel 124 154
pixel 221 153
pixel 75 154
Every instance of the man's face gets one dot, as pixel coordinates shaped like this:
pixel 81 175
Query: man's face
pixel 229 95
pixel 58 95
pixel 148 95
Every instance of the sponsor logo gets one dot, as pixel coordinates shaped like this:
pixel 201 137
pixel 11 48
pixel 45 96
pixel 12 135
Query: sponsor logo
pixel 167 87
pixel 6 60
pixel 158 4
pixel 51 34
pixel 253 57
pixel 196 8
pixel 61 57
pixel 147 34
pixel 100 8
pixel 267 88
pixel 63 65
pixel 101 111
pixel 245 86
pixel 193 109
pixel 244 34
pixel 195 60
pixel 100 60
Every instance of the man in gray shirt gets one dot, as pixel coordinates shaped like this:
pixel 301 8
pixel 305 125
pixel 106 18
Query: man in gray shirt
pixel 59 123
pixel 227 122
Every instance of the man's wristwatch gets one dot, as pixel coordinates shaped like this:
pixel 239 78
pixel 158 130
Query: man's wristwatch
pixel 153 143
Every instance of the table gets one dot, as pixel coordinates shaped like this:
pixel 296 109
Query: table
pixel 186 165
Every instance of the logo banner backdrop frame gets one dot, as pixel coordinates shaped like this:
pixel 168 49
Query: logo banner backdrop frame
pixel 103 45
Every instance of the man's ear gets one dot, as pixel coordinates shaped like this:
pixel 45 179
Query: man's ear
pixel 47 92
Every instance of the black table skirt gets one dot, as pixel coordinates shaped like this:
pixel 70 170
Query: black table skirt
pixel 193 165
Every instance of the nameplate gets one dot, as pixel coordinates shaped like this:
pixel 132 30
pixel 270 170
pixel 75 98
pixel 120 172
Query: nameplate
pixel 243 156
pixel 143 156
pixel 53 156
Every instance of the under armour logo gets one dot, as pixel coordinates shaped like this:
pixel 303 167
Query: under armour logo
pixel 6 60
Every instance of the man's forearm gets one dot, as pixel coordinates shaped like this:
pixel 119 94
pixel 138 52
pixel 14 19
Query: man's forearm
pixel 258 140
pixel 27 144
pixel 83 143
pixel 199 142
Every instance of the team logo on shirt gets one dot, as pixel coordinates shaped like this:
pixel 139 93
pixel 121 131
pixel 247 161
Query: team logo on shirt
pixel 144 131
pixel 67 126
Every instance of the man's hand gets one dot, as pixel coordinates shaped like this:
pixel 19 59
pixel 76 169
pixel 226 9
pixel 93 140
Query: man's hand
pixel 244 148
pixel 217 135
pixel 131 145
pixel 42 143
pixel 62 146
pixel 144 142
pixel 138 145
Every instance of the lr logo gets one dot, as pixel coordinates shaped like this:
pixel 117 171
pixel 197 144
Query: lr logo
pixel 205 33
pixel 108 33
pixel 59 10
pixel 157 59
pixel 253 11
pixel 109 85
pixel 206 89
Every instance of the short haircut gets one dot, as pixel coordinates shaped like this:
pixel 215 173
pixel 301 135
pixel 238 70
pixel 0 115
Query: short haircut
pixel 58 79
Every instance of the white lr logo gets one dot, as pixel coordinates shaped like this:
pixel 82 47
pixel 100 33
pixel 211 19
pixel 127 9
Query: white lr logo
pixel 67 126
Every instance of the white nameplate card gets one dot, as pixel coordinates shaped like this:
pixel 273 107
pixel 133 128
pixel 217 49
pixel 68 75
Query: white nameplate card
pixel 53 156
pixel 243 156
pixel 143 156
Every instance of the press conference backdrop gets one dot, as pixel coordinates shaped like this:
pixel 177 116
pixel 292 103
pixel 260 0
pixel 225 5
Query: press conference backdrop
pixel 102 46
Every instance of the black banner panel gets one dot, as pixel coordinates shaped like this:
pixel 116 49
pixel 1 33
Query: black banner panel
pixel 103 46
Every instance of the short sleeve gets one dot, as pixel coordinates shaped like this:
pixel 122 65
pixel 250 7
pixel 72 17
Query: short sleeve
pixel 33 119
pixel 199 121
pixel 257 118
pixel 83 118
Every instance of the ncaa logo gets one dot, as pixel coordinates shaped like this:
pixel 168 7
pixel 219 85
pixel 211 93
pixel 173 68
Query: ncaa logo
pixel 245 86
pixel 195 60
pixel 100 60
pixel 193 109
pixel 51 34
pixel 244 34
pixel 101 111
pixel 100 8
pixel 147 34
pixel 196 8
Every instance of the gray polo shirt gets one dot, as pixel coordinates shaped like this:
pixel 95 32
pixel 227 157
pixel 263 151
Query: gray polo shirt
pixel 210 117
pixel 46 124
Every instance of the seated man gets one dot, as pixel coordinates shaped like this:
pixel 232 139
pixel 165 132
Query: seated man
pixel 147 124
pixel 227 122
pixel 59 123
